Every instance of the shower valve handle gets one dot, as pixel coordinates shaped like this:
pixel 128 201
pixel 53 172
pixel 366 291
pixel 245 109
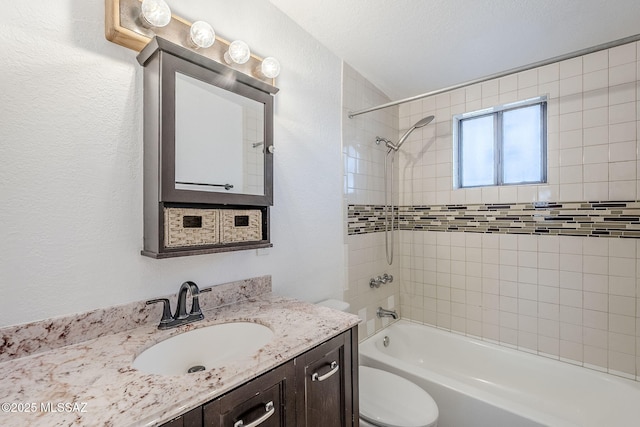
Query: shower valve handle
pixel 380 280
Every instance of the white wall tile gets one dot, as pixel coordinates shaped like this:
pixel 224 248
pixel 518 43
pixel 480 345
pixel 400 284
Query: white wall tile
pixel 595 283
pixel 622 171
pixel 595 136
pixel 595 98
pixel 549 73
pixel 622 151
pixel 620 113
pixel 596 190
pixel 508 84
pixel 571 67
pixel 622 248
pixel 619 285
pixel 619 324
pixel 593 117
pixel 622 190
pixel 595 264
pixel 622 267
pixel 571 85
pixel 622 93
pixel 596 80
pixel 595 61
pixel 622 54
pixel 622 74
pixel 621 132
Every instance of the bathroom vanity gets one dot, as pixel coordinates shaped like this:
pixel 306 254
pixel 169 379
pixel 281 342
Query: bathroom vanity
pixel 314 389
pixel 306 375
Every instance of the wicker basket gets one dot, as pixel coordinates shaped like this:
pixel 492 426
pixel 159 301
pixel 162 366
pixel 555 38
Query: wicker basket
pixel 190 227
pixel 240 226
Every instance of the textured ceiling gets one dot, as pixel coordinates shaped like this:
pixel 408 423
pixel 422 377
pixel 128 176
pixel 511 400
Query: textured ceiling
pixel 409 47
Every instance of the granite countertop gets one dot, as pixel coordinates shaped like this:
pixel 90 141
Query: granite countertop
pixel 92 383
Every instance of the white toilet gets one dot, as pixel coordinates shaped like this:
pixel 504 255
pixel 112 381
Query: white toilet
pixel 388 400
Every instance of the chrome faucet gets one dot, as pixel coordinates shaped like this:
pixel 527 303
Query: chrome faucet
pixel 181 317
pixel 386 313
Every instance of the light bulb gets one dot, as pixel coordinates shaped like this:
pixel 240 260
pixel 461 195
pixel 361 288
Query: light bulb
pixel 155 13
pixel 270 67
pixel 238 52
pixel 201 34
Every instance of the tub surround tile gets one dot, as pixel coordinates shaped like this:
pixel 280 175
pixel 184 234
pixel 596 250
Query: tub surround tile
pixel 587 273
pixel 35 337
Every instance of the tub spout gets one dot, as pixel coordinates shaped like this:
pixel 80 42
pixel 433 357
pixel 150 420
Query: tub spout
pixel 386 313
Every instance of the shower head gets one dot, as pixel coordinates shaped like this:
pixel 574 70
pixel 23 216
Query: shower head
pixel 423 122
pixel 420 123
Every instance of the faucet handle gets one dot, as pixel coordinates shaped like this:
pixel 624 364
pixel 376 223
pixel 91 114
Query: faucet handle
pixel 195 304
pixel 166 311
pixel 196 312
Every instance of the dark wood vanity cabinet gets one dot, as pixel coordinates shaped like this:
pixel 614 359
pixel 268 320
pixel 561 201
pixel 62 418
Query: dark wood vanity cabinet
pixel 316 389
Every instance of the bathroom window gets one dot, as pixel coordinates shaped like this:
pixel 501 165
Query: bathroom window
pixel 503 145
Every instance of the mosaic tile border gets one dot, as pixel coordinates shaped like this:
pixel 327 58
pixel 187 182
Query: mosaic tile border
pixel 613 219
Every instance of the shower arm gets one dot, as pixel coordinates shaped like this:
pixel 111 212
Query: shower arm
pixel 396 147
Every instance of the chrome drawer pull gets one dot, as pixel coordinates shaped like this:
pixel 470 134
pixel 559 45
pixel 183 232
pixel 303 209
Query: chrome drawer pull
pixel 270 410
pixel 334 369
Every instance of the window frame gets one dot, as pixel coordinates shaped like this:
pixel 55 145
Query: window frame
pixel 498 141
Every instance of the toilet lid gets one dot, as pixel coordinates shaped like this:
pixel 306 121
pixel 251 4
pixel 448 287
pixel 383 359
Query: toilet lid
pixel 388 400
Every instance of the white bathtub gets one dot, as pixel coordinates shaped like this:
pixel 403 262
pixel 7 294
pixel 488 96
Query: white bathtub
pixel 478 384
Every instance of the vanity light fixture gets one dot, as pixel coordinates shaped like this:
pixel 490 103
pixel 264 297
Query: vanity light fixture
pixel 238 52
pixel 133 23
pixel 201 35
pixel 155 13
pixel 270 67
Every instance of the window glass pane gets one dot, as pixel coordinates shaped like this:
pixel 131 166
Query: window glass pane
pixel 522 145
pixel 477 152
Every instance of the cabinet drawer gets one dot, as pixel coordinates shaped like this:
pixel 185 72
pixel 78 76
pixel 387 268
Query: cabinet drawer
pixel 267 401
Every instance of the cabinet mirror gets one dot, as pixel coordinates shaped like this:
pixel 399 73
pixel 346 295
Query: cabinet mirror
pixel 219 139
pixel 215 128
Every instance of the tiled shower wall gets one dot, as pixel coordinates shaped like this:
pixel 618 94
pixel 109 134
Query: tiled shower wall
pixel 567 297
pixel 364 184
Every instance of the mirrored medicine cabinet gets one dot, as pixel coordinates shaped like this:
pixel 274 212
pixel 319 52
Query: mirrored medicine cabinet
pixel 208 154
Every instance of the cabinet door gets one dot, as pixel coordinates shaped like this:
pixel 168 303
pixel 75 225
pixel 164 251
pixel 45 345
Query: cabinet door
pixel 267 401
pixel 324 381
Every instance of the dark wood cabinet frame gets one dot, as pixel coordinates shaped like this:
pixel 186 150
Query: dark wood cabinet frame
pixel 162 60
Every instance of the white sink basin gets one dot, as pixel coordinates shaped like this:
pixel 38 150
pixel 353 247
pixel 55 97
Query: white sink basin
pixel 209 347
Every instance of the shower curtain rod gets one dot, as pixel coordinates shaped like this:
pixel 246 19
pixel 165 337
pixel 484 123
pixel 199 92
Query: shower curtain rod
pixel 575 54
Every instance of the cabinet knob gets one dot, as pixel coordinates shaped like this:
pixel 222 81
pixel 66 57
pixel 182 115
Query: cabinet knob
pixel 269 410
pixel 334 368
